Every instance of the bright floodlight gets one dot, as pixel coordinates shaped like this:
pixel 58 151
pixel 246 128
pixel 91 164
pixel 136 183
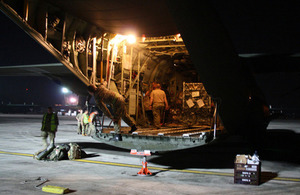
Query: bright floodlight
pixel 73 100
pixel 131 39
pixel 65 90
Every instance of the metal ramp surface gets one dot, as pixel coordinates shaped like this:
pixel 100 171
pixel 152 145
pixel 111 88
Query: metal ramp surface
pixel 155 140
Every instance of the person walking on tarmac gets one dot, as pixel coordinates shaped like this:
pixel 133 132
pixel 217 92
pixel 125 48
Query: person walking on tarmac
pixel 104 96
pixel 159 103
pixel 49 127
pixel 85 122
pixel 79 125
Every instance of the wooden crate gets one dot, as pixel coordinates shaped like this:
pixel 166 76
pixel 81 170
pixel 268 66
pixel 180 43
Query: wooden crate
pixel 247 173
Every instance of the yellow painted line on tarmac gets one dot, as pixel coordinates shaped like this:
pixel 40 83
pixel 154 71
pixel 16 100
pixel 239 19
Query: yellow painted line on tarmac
pixel 202 172
pixel 157 168
pixel 287 179
pixel 15 153
pixel 108 163
pixel 178 170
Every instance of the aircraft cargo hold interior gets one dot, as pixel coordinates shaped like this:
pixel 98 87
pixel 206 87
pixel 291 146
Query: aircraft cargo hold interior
pixel 130 65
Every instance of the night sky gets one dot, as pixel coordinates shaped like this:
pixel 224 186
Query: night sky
pixel 37 90
pixel 18 48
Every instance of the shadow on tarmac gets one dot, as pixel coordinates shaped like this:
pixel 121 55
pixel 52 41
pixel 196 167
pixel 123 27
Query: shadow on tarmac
pixel 267 176
pixel 282 145
pixel 276 145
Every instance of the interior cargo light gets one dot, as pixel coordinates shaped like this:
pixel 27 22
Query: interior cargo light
pixel 177 37
pixel 119 38
pixel 131 39
pixel 143 37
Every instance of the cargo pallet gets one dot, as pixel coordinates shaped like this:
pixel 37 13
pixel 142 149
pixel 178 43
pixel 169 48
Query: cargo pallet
pixel 247 173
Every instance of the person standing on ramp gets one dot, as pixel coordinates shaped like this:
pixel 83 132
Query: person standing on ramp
pixel 104 96
pixel 159 103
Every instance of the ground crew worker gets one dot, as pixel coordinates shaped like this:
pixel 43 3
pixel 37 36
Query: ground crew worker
pixel 147 107
pixel 92 128
pixel 85 122
pixel 49 127
pixel 159 103
pixel 104 96
pixel 78 118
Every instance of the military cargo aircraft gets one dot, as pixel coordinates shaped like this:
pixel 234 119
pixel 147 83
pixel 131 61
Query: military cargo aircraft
pixel 183 45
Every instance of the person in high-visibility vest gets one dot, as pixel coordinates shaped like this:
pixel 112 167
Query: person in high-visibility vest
pixel 49 127
pixel 92 128
pixel 85 122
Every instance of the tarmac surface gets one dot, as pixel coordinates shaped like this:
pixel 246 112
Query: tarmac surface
pixel 111 170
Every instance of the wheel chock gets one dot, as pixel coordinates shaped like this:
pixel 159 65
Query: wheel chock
pixel 55 189
pixel 144 171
